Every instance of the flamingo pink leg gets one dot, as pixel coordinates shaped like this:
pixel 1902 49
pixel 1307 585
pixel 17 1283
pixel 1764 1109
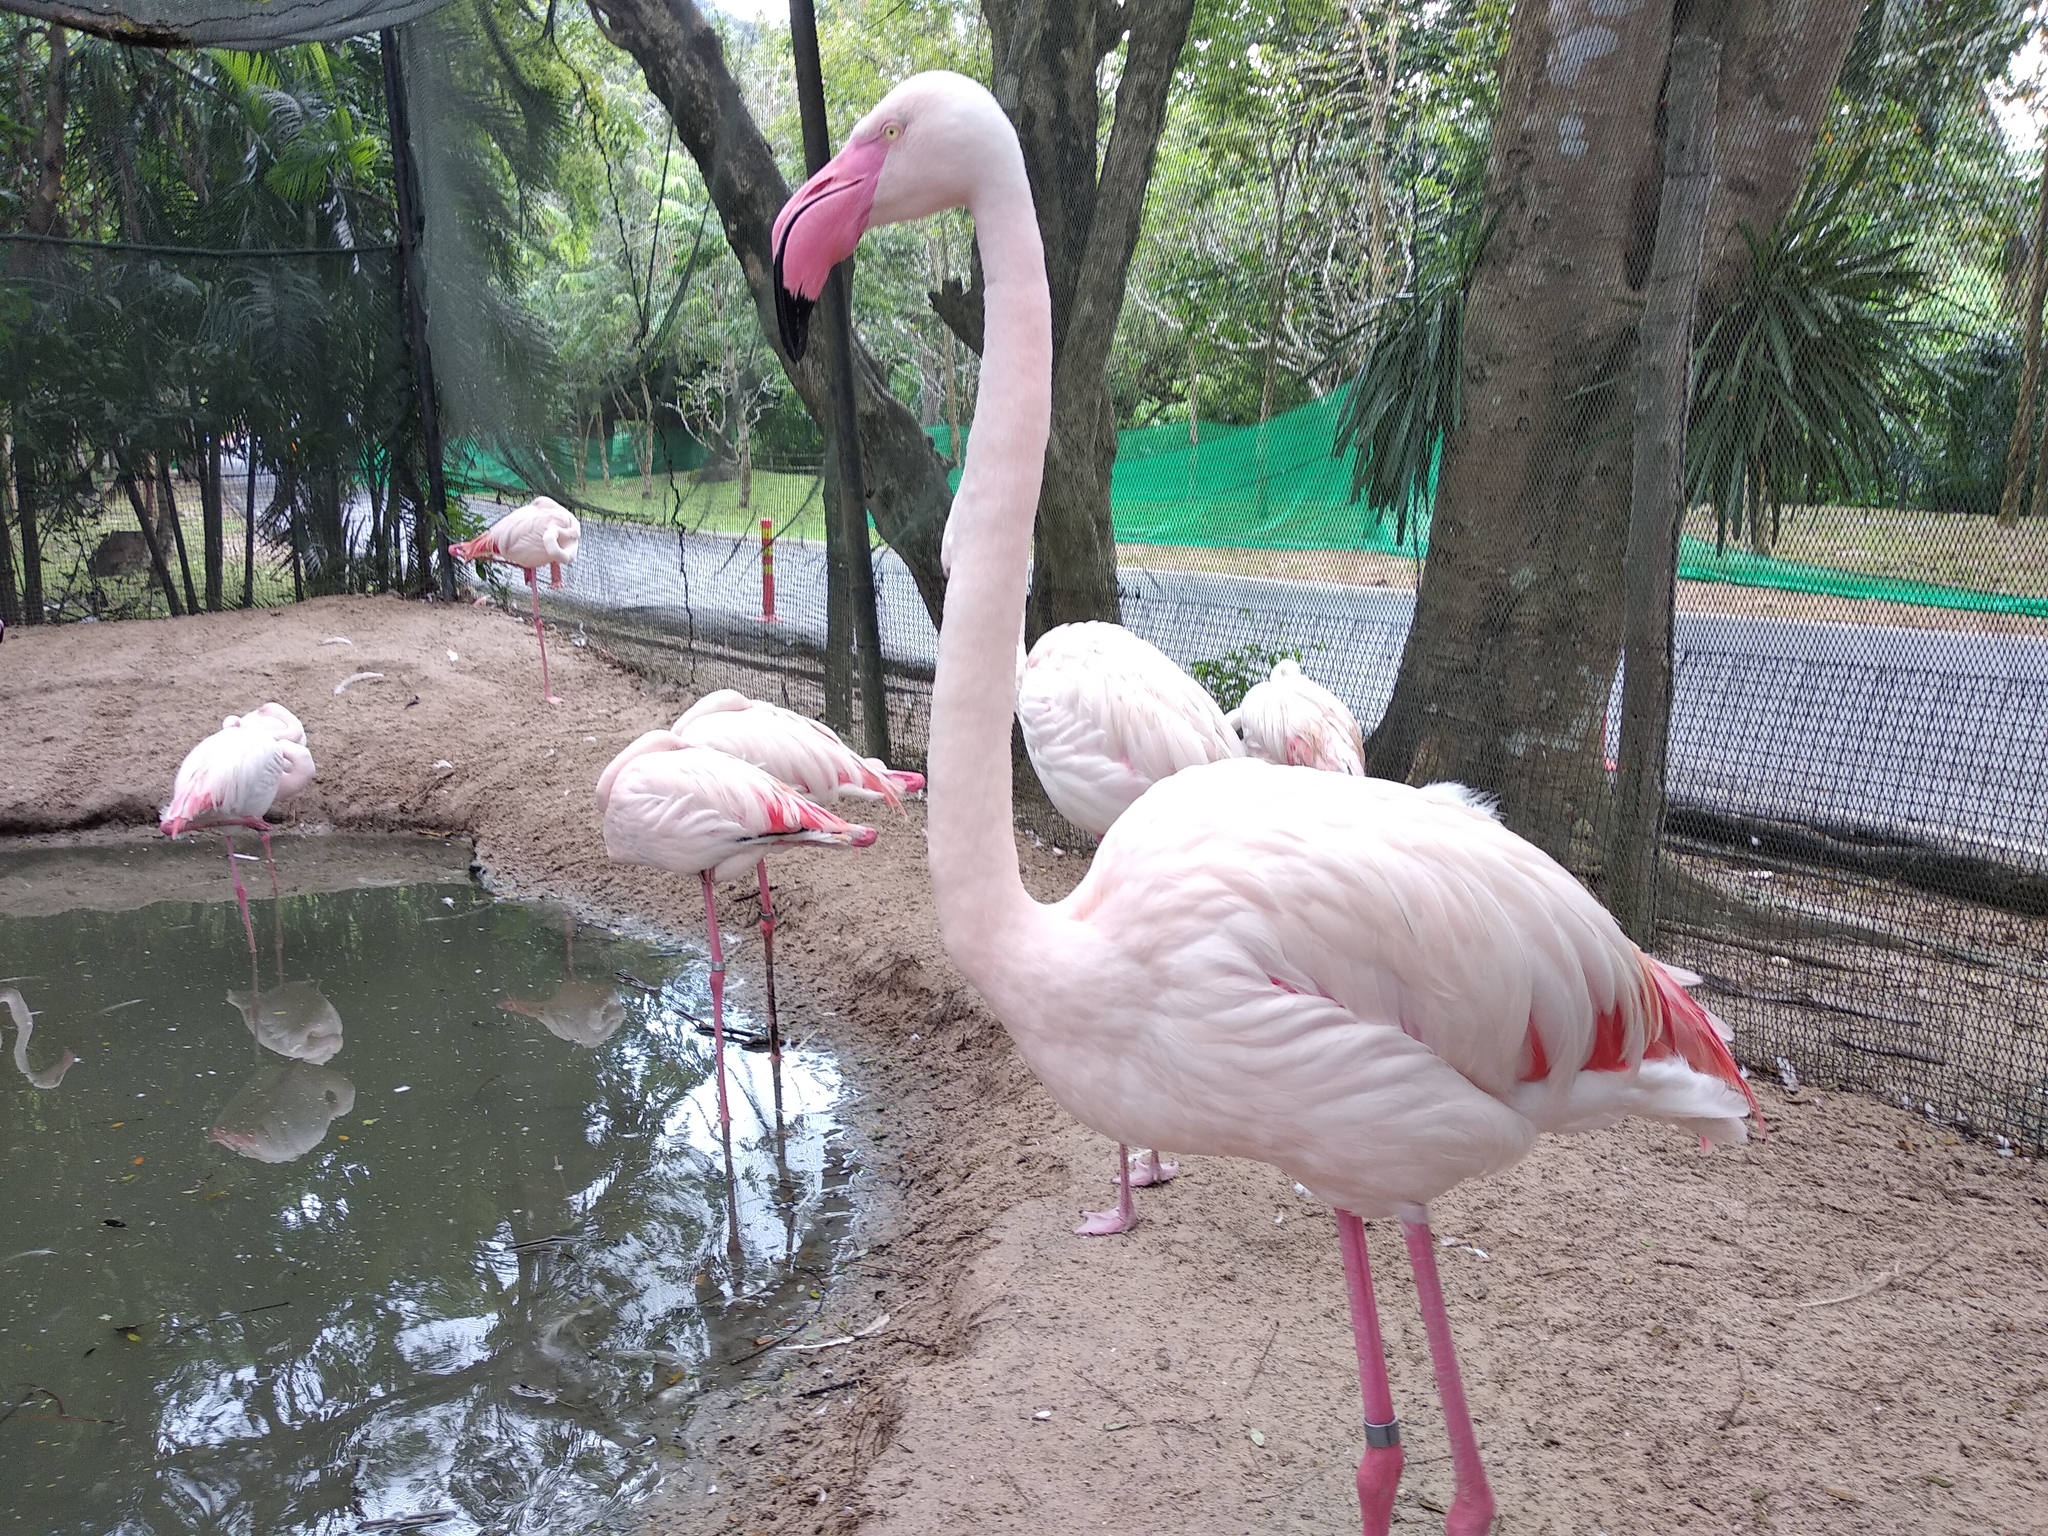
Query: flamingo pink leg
pixel 1125 1216
pixel 1379 1469
pixel 264 833
pixel 1472 1505
pixel 768 948
pixel 547 693
pixel 717 998
pixel 241 896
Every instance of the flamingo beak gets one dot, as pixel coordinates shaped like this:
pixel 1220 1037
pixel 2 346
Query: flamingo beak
pixel 817 229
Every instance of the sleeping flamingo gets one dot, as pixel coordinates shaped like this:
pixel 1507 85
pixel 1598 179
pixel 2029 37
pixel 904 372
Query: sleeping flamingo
pixel 1106 716
pixel 803 753
pixel 233 777
pixel 1380 989
pixel 1291 718
pixel 543 532
pixel 695 811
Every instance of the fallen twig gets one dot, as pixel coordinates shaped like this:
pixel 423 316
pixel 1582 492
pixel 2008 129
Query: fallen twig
pixel 852 1338
pixel 1884 1278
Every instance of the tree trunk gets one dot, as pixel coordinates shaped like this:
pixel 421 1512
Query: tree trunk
pixel 10 589
pixel 45 215
pixel 213 522
pixel 31 539
pixel 679 52
pixel 2030 366
pixel 249 528
pixel 152 542
pixel 1657 489
pixel 1090 201
pixel 167 512
pixel 838 594
pixel 1511 657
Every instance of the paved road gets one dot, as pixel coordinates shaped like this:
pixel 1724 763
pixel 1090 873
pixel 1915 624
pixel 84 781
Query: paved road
pixel 1931 735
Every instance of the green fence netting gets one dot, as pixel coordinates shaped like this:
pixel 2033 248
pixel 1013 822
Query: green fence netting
pixel 1278 487
pixel 475 468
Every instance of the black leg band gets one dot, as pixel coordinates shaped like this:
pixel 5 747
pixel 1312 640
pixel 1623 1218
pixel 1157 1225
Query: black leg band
pixel 1380 1436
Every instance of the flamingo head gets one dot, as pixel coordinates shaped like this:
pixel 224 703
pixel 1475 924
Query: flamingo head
pixel 913 156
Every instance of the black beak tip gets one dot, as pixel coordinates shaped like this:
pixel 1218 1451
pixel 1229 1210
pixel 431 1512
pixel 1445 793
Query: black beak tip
pixel 792 318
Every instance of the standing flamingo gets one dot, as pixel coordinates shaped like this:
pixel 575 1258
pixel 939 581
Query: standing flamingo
pixel 695 811
pixel 1378 988
pixel 1106 716
pixel 803 753
pixel 232 778
pixel 543 532
pixel 1291 718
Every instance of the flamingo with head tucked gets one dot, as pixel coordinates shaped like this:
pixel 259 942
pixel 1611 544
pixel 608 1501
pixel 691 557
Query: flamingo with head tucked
pixel 696 811
pixel 803 753
pixel 543 532
pixel 232 779
pixel 1380 989
pixel 1105 716
pixel 1291 718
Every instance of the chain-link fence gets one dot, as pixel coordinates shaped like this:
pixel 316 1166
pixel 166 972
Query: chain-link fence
pixel 1856 855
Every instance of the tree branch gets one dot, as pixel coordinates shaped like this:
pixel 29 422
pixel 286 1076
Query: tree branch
pixel 680 53
pixel 1158 29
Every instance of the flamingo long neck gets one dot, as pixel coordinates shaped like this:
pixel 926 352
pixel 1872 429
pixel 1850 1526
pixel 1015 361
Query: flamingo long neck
pixel 986 917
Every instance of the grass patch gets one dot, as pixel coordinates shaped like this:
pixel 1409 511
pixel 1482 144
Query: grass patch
pixel 795 502
pixel 1949 549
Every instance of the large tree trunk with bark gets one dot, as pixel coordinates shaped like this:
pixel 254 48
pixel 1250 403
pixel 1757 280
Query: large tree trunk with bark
pixel 1505 680
pixel 680 54
pixel 1091 201
pixel 31 538
pixel 1090 198
pixel 10 590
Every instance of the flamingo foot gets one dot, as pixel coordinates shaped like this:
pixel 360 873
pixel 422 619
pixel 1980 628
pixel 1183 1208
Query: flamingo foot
pixel 1154 1170
pixel 1124 1217
pixel 1106 1223
pixel 551 698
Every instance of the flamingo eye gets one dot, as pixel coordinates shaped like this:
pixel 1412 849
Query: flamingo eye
pixel 892 131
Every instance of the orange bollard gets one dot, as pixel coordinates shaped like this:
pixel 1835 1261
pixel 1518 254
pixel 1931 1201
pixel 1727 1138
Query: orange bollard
pixel 767 570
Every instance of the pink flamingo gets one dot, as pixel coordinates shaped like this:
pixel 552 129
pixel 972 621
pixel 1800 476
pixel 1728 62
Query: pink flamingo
pixel 1380 989
pixel 695 811
pixel 543 532
pixel 803 753
pixel 233 778
pixel 1291 718
pixel 1106 716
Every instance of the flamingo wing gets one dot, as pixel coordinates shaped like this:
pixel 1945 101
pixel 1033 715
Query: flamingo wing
pixel 232 775
pixel 1106 716
pixel 1416 913
pixel 780 742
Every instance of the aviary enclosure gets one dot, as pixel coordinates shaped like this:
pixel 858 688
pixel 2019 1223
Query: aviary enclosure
pixel 1317 395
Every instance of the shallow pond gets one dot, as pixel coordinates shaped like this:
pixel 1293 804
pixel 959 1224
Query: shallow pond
pixel 420 1211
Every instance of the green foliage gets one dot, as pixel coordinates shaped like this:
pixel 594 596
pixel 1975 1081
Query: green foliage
pixel 1801 380
pixel 1236 672
pixel 1405 399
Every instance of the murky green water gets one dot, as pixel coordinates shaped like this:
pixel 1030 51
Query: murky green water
pixel 368 1243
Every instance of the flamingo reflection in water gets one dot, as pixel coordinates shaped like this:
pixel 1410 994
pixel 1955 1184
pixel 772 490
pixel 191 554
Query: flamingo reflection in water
pixel 585 1013
pixel 283 1112
pixel 25 1026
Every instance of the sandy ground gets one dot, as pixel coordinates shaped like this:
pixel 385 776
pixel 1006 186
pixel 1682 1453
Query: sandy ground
pixel 1841 1329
